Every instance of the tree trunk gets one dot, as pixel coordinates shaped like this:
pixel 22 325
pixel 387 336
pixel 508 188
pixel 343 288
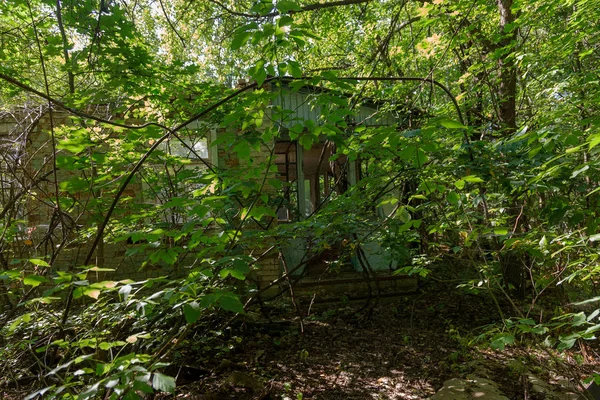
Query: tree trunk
pixel 512 263
pixel 507 91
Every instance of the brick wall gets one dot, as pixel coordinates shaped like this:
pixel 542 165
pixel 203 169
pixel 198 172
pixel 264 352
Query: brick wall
pixel 39 214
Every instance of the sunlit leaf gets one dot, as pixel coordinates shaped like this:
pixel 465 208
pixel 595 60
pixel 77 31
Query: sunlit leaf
pixel 450 124
pixel 38 262
pixel 34 280
pixel 163 382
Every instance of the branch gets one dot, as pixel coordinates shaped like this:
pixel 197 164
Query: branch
pixel 319 6
pixel 413 79
pixel 310 7
pixel 170 24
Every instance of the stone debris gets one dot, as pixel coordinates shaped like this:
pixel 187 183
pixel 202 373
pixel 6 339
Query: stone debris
pixel 474 387
pixel 562 391
pixel 469 389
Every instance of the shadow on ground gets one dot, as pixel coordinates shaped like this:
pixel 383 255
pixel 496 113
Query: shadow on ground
pixel 404 349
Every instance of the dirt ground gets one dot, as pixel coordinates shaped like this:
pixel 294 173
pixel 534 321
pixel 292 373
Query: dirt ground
pixel 397 348
pixel 405 348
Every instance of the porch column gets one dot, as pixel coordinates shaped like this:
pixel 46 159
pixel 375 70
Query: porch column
pixel 300 181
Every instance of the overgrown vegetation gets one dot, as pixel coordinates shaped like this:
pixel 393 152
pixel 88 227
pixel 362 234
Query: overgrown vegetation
pixel 488 174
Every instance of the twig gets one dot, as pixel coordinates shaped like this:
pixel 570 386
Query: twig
pixel 287 274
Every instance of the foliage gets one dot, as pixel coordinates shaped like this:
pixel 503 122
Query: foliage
pixel 492 165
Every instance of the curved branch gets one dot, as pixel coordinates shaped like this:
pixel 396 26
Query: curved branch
pixel 415 79
pixel 432 81
pixel 197 116
pixel 182 125
pixel 82 114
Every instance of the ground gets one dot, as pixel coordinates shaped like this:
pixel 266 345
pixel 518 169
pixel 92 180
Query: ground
pixel 404 348
pixel 407 347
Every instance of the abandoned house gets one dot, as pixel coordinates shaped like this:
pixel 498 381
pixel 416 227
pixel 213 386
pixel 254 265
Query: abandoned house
pixel 308 179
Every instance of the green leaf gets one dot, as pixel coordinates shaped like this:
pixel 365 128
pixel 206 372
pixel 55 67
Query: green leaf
pixel 75 144
pixel 102 369
pixel 34 280
pixel 294 69
pixel 592 300
pixel 285 6
pixel 453 197
pixel 163 382
pixel 132 395
pixel 460 184
pixel 10 274
pixel 306 141
pixel 502 340
pixel 585 53
pixel 110 345
pixel 594 141
pixel 451 124
pixel 77 293
pixel 420 158
pixel 403 215
pixel 240 39
pixel 209 299
pixel 192 312
pixel 140 384
pixel 472 179
pixel 593 315
pixel 285 20
pixel 579 319
pixel 38 262
pixel 23 318
pixel 579 171
pixel 224 273
pixel 566 343
pixel 500 231
pixel 258 72
pixel 242 149
pixel 74 185
pixel 230 302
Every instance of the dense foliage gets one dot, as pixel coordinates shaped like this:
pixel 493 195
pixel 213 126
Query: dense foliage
pixel 490 173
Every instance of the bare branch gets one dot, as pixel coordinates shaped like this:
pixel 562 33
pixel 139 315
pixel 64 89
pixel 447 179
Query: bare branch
pixel 171 24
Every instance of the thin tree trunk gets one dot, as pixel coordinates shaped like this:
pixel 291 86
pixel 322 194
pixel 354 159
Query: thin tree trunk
pixel 507 91
pixel 512 263
pixel 63 36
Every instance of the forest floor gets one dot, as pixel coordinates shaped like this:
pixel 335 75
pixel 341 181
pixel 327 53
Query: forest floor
pixel 404 349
